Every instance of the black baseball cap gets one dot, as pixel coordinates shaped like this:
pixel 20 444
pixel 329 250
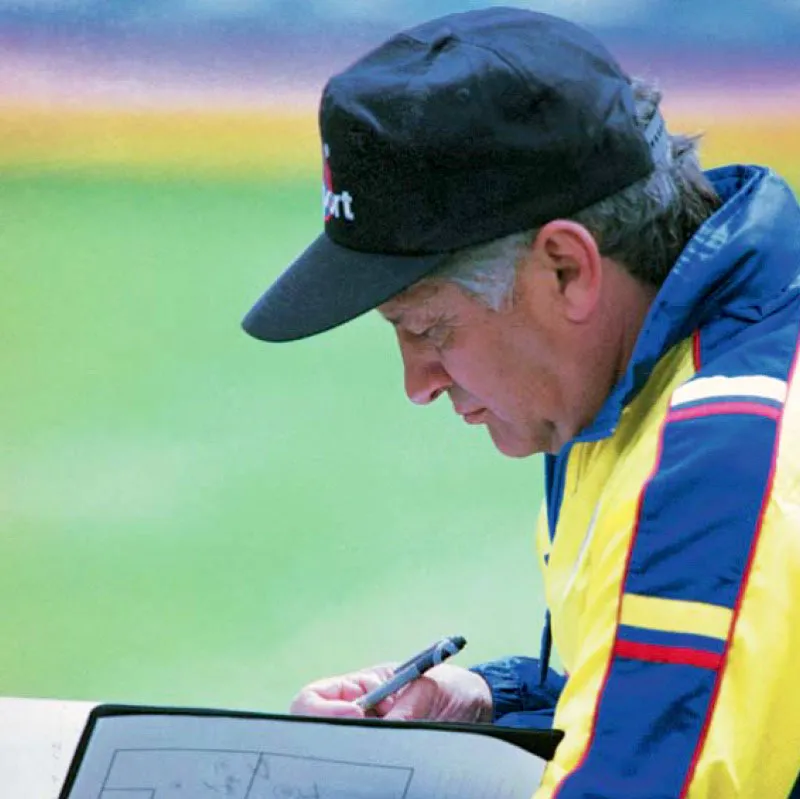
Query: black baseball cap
pixel 453 133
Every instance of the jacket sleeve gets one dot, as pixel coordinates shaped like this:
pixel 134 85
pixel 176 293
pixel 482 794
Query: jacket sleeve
pixel 685 682
pixel 518 687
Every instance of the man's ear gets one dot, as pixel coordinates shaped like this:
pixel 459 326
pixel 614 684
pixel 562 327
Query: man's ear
pixel 569 253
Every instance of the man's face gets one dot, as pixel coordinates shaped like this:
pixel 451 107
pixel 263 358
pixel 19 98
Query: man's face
pixel 517 371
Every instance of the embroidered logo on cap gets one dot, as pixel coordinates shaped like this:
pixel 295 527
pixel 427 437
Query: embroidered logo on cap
pixel 334 206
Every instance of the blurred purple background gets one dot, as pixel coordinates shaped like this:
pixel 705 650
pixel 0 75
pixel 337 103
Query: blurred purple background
pixel 245 53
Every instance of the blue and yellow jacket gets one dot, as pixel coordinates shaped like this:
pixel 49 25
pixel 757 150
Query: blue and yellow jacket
pixel 670 541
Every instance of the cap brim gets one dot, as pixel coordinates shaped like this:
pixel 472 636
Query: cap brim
pixel 329 285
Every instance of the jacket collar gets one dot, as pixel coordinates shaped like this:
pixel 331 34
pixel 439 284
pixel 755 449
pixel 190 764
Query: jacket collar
pixel 742 262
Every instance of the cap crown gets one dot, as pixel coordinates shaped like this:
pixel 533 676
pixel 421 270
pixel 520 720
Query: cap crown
pixel 471 127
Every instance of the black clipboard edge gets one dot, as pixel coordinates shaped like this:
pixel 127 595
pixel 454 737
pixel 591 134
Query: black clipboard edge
pixel 541 743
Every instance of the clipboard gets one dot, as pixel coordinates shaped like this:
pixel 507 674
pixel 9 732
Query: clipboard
pixel 141 752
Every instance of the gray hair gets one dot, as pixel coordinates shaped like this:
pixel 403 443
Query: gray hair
pixel 644 226
pixel 487 271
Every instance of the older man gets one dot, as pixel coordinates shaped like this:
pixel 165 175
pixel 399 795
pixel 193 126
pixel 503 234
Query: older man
pixel 558 265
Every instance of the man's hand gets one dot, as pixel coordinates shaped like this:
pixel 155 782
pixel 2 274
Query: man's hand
pixel 445 693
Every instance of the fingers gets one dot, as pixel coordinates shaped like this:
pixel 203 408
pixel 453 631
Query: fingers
pixel 310 704
pixel 335 696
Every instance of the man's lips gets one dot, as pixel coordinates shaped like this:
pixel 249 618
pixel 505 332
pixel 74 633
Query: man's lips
pixel 473 417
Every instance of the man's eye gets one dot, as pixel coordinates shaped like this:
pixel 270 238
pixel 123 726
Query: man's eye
pixel 438 335
pixel 429 333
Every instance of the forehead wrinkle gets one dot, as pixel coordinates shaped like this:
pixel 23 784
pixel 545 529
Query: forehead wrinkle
pixel 411 318
pixel 415 299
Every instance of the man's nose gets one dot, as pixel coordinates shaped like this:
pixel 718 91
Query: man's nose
pixel 425 377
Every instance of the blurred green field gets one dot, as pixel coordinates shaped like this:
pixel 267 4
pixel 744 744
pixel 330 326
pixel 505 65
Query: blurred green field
pixel 193 517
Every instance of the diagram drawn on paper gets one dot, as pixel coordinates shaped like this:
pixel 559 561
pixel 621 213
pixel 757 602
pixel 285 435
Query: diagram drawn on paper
pixel 222 774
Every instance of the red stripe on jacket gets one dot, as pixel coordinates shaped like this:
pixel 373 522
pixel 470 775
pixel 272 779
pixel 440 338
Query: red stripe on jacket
pixel 653 653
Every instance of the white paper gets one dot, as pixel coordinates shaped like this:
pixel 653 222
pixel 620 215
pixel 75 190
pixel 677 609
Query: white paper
pixel 206 757
pixel 37 740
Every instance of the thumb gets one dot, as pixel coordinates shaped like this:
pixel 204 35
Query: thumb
pixel 413 702
pixel 402 711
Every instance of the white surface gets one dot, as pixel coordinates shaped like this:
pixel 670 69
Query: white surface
pixel 37 740
pixel 201 757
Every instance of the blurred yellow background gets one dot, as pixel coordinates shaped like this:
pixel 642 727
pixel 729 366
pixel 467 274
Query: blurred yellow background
pixel 273 142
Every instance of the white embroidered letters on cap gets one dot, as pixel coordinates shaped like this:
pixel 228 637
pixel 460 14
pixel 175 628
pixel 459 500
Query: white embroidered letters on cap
pixel 334 206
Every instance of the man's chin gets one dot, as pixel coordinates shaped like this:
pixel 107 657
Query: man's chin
pixel 513 447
